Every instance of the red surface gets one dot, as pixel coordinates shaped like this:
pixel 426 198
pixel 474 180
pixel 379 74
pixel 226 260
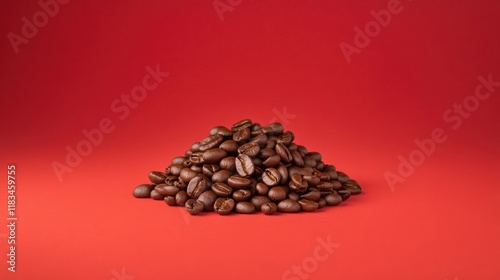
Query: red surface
pixel 442 222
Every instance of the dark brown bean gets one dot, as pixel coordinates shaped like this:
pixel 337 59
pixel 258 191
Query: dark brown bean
pixel 187 174
pixel 167 190
pixel 241 124
pixel 251 149
pixel 269 208
pixel 209 169
pixel 242 195
pixel 286 138
pixel 245 207
pixel 321 203
pixel 277 193
pixel 157 177
pixel 156 195
pixel 342 177
pixel 221 176
pixel 289 206
pixel 283 173
pixel 261 189
pixel 242 135
pixel 284 153
pixel 170 200
pixel 238 182
pixel 194 207
pixel 272 161
pixel 222 131
pixel 308 205
pixel 230 146
pixel 222 189
pixel 298 183
pixel 271 177
pixel 345 194
pixel 309 161
pixel 260 139
pixel 143 191
pixel 208 198
pixel 198 185
pixel 181 198
pixel 214 155
pixel 333 199
pixel 315 155
pixel 273 128
pixel 259 200
pixel 197 158
pixel 325 186
pixel 178 160
pixel 224 205
pixel 244 165
pixel 266 153
pixel 297 158
pixel 294 196
pixel 313 195
pixel 228 163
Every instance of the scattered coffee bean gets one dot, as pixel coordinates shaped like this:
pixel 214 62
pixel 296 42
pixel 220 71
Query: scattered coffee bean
pixel 143 191
pixel 157 177
pixel 224 206
pixel 245 207
pixel 194 207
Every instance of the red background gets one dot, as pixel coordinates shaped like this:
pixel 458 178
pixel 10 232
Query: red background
pixel 442 222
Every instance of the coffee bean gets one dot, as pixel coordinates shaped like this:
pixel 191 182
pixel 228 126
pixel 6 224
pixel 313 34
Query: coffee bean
pixel 178 160
pixel 214 155
pixel 230 146
pixel 181 198
pixel 244 165
pixel 283 173
pixel 157 177
pixel 241 124
pixel 289 206
pixel 277 193
pixel 298 183
pixel 210 142
pixel 297 158
pixel 260 139
pixel 272 161
pixel 271 177
pixel 170 200
pixel 315 155
pixel 284 153
pixel 251 149
pixel 262 189
pixel 256 161
pixel 342 177
pixel 195 147
pixel 309 161
pixel 245 207
pixel 224 205
pixel 242 195
pixel 187 174
pixel 194 207
pixel 308 205
pixel 208 198
pixel 167 190
pixel 270 144
pixel 259 200
pixel 294 196
pixel 156 195
pixel 321 203
pixel 269 208
pixel 143 191
pixel 312 180
pixel 286 138
pixel 302 150
pixel 197 158
pixel 242 135
pixel 320 165
pixel 221 176
pixel 222 189
pixel 313 195
pixel 187 162
pixel 325 186
pixel 353 189
pixel 266 153
pixel 174 169
pixel 170 179
pixel 238 182
pixel 197 185
pixel 333 199
pixel 345 194
pixel 228 163
pixel 273 128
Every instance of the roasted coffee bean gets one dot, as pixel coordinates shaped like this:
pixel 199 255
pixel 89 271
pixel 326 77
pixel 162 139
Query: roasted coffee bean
pixel 345 194
pixel 308 205
pixel 256 161
pixel 197 168
pixel 312 180
pixel 273 128
pixel 292 147
pixel 197 158
pixel 251 149
pixel 320 165
pixel 210 169
pixel 315 155
pixel 156 195
pixel 208 198
pixel 258 172
pixel 181 198
pixel 194 207
pixel 143 191
pixel 198 185
pixel 170 200
pixel 302 150
pixel 277 193
pixel 188 154
pixel 297 158
pixel 222 131
pixel 298 183
pixel 210 142
pixel 230 146
pixel 271 177
pixel 286 138
pixel 241 124
pixel 244 165
pixel 167 190
pixel 195 147
pixel 238 182
pixel 157 177
pixel 325 186
pixel 321 203
pixel 272 161
pixel 313 195
pixel 284 153
pixel 289 206
pixel 270 144
pixel 221 176
pixel 242 135
pixel 324 176
pixel 187 174
pixel 178 160
pixel 180 184
pixel 309 161
pixel 174 169
pixel 353 189
pixel 259 200
pixel 269 208
pixel 170 179
pixel 266 153
pixel 262 189
pixel 245 207
pixel 255 127
pixel 333 199
pixel 228 163
pixel 187 163
pixel 342 177
pixel 224 205
pixel 242 195
pixel 294 196
pixel 260 139
pixel 214 155
pixel 337 185
pixel 222 189
pixel 283 173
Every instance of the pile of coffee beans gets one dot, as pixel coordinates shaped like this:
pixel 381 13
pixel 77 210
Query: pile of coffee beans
pixel 246 169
